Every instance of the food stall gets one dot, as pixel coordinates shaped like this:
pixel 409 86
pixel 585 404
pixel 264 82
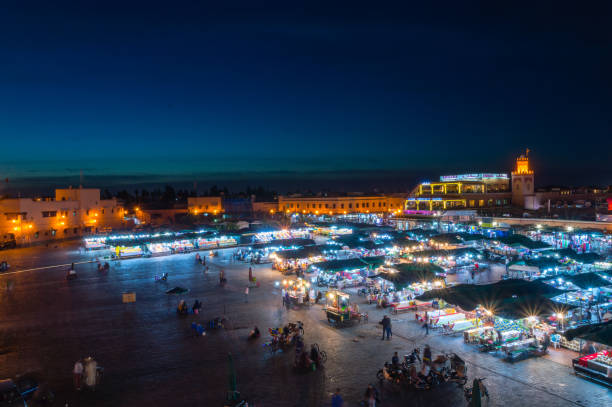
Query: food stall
pixel 516 305
pixel 298 291
pixel 95 243
pixel 480 335
pixel 159 249
pixel 182 246
pixel 296 258
pixel 207 243
pixel 284 234
pixel 126 252
pixel 516 245
pixel 346 272
pixel 338 309
pixel 595 360
pixel 408 280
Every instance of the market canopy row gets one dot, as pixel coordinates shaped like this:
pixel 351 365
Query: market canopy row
pixel 528 306
pixel 600 333
pixel 448 238
pixel 585 258
pixel 520 240
pixel 583 280
pixel 349 264
pixel 470 296
pixel 406 274
pixel 298 242
pixel 445 253
pixel 307 251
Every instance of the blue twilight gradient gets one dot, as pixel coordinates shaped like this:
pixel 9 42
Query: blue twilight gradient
pixel 189 87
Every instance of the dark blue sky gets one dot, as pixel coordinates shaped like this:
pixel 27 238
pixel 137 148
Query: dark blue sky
pixel 190 88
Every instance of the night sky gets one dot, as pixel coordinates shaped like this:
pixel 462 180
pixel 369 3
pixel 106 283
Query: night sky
pixel 189 89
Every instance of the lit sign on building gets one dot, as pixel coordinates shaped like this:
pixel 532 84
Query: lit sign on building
pixel 472 177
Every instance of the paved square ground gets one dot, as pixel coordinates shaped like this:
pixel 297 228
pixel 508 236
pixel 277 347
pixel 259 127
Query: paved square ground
pixel 151 357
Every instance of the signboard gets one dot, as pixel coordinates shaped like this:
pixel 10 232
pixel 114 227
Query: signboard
pixel 129 297
pixel 472 177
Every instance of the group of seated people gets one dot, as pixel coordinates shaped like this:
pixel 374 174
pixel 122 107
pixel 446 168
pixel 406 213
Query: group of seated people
pixel 284 335
pixel 183 310
pixel 418 374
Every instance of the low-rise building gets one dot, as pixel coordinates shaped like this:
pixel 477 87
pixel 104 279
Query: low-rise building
pixel 205 205
pixel 338 205
pixel 73 212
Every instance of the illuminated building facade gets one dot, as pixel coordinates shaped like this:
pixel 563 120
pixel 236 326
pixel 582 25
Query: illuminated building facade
pixel 338 205
pixel 461 191
pixel 205 205
pixel 73 212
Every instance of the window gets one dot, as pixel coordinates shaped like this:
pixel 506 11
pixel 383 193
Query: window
pixel 75 230
pixel 472 203
pixel 334 206
pixel 350 205
pixel 357 205
pixel 481 202
pixel 73 213
pixel 320 206
pixel 297 205
pixel 342 206
pixel 102 211
pixel 326 206
pixel 49 214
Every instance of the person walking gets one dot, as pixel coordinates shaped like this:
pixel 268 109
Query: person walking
pixel 246 294
pixel 427 355
pixel 336 400
pixel 426 327
pixel 371 396
pixel 386 325
pixel 78 374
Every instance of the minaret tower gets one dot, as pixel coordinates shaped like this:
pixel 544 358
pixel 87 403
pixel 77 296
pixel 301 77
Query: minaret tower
pixel 522 183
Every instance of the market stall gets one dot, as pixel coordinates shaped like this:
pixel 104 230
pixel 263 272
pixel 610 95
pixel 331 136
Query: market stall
pixel 284 234
pixel 595 360
pixel 346 272
pixel 407 281
pixel 159 249
pixel 297 259
pixel 514 306
pixel 516 245
pixel 95 243
pixel 338 309
pixel 182 246
pixel 297 291
pixel 126 252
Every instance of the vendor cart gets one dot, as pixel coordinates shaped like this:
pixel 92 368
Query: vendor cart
pixel 338 309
